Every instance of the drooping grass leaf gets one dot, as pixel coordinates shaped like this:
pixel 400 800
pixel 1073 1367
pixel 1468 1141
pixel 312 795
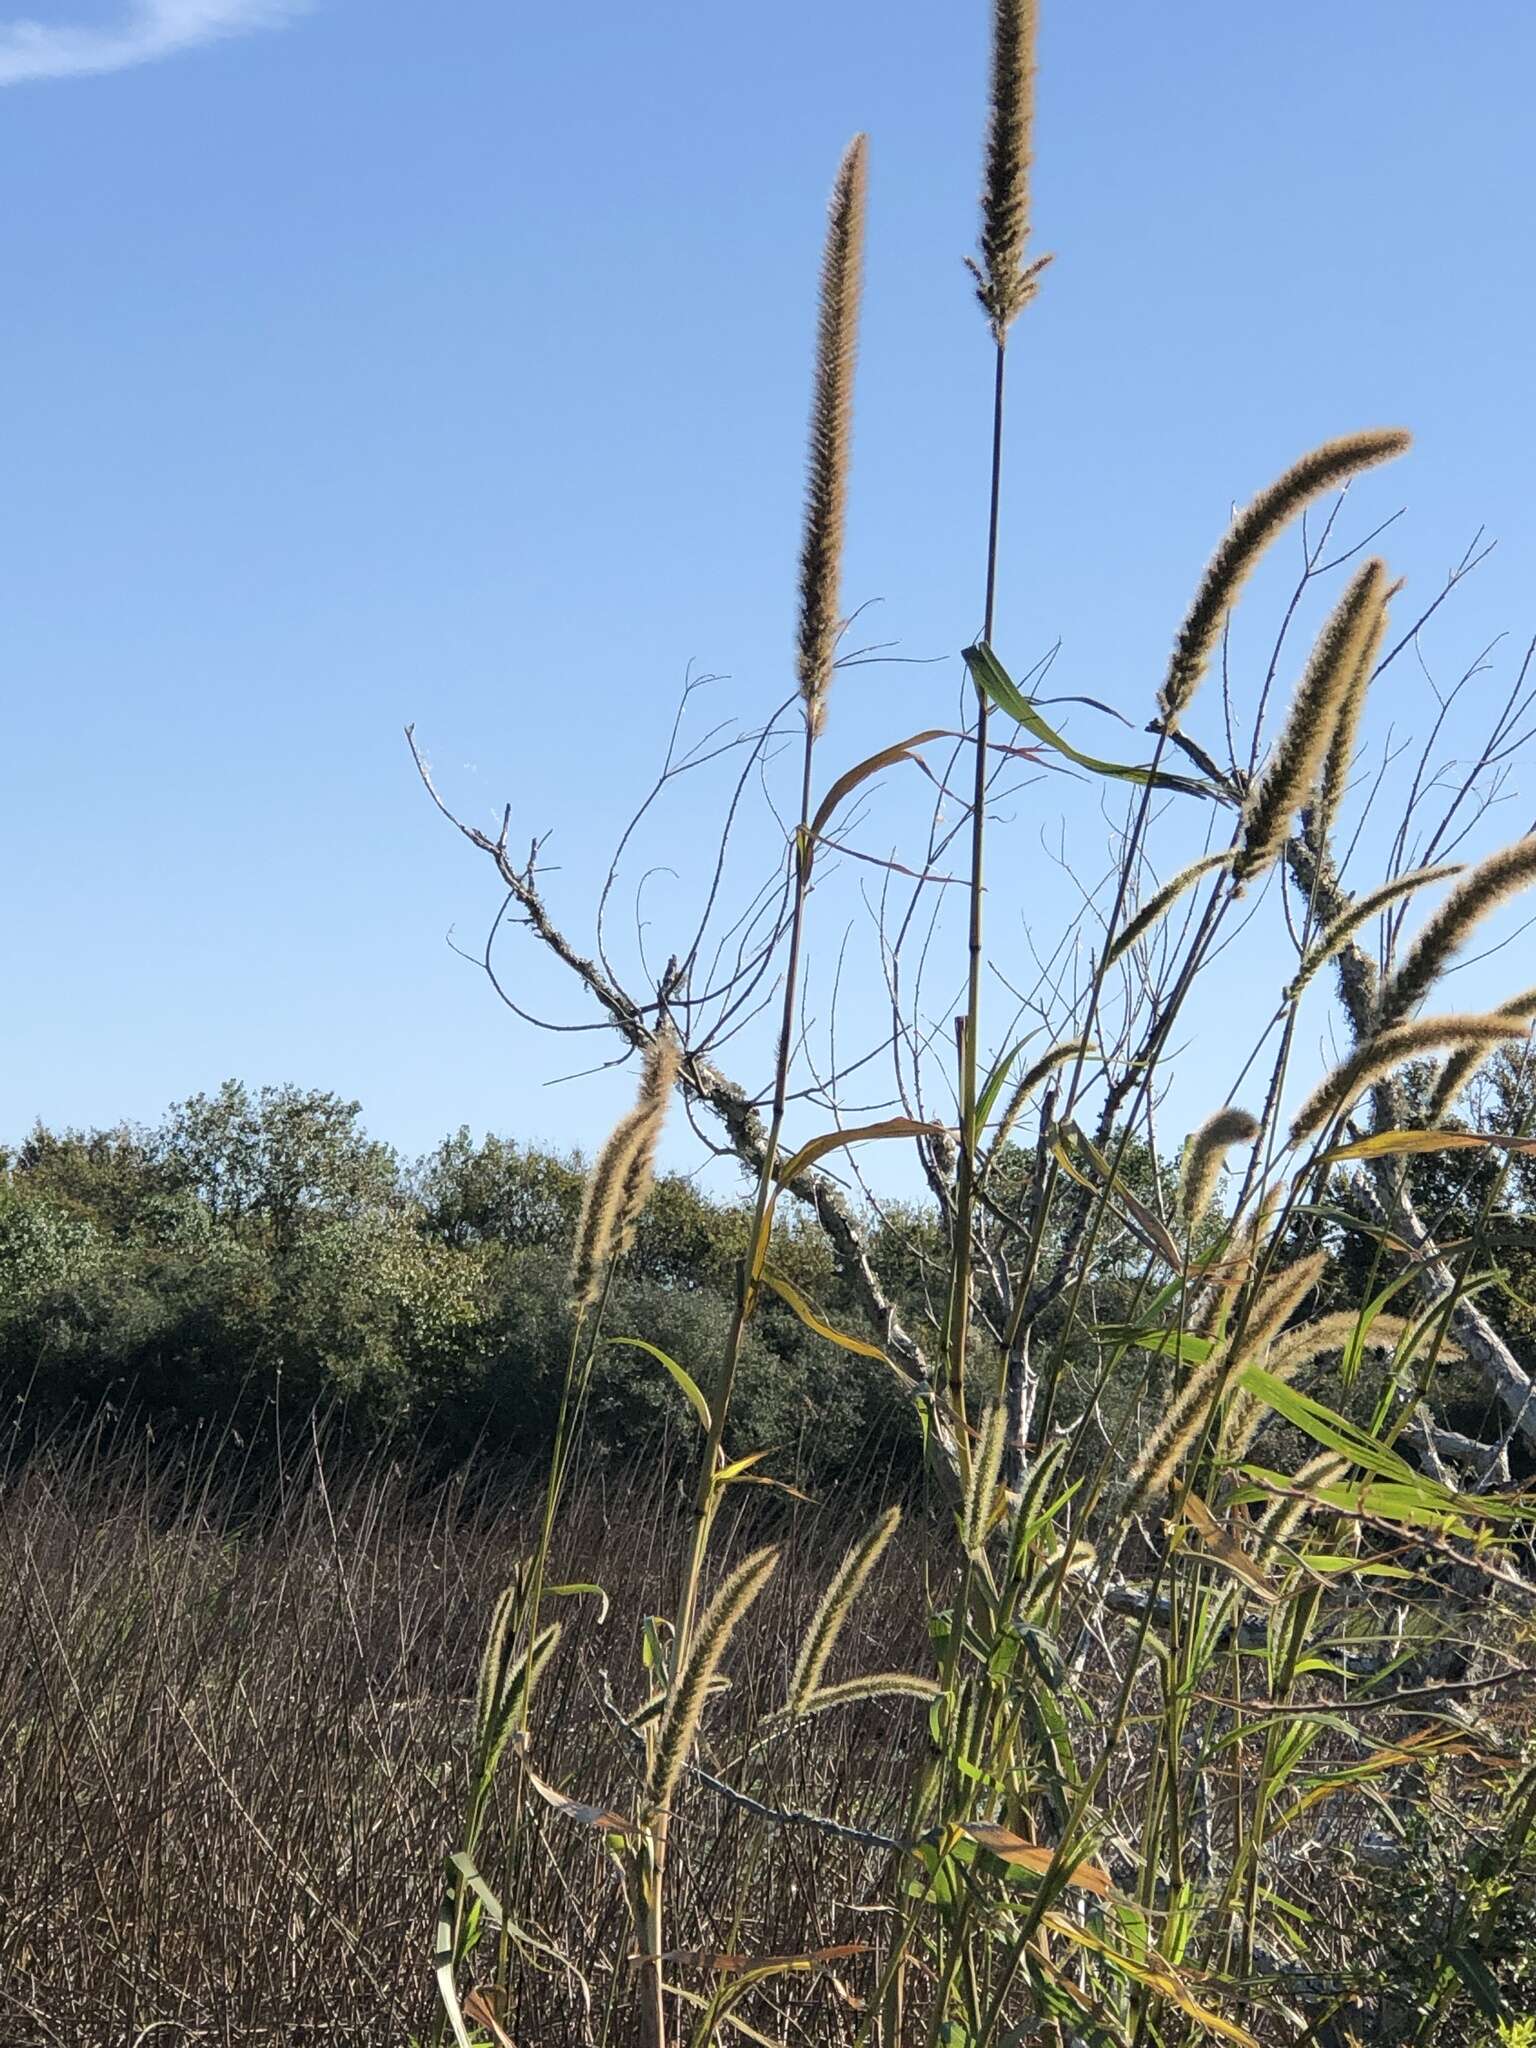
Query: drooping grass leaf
pixel 1398 1144
pixel 996 683
pixel 791 1295
pixel 887 757
pixel 685 1380
pixel 862 1134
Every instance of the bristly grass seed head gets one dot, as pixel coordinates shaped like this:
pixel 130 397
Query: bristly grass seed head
pixel 1341 747
pixel 1205 1154
pixel 1248 536
pixel 1492 882
pixel 1388 1049
pixel 821 548
pixel 1291 777
pixel 621 1176
pixel 844 1587
pixel 1005 282
pixel 1461 1068
pixel 680 1721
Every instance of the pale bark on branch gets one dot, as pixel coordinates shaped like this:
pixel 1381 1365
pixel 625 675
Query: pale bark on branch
pixel 1382 1187
pixel 733 1110
pixel 737 1116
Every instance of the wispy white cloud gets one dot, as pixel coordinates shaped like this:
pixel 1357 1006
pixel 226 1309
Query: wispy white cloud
pixel 148 29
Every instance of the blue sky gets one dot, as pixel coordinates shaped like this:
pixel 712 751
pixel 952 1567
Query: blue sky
pixel 365 362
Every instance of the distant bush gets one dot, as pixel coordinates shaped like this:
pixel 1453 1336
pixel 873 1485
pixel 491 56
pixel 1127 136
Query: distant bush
pixel 257 1252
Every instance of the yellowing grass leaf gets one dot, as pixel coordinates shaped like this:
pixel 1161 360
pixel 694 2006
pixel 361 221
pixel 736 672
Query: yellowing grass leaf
pixel 737 1466
pixel 603 1819
pixel 862 1134
pixel 1156 1975
pixel 727 2019
pixel 1012 1849
pixel 888 757
pixel 479 2009
pixel 788 1292
pixel 1060 1985
pixel 1231 1556
pixel 1434 1740
pixel 1178 1992
pixel 758 1967
pixel 1225 1549
pixel 1151 1229
pixel 1393 1144
pixel 762 1479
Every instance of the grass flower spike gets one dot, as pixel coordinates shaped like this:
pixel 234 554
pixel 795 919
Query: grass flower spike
pixel 1250 533
pixel 1291 777
pixel 831 435
pixel 620 1179
pixel 1005 282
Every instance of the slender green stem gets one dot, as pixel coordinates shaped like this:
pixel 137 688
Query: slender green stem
pixel 969 1027
pixel 706 1492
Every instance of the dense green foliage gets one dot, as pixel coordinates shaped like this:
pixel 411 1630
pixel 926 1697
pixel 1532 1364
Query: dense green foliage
pixel 256 1252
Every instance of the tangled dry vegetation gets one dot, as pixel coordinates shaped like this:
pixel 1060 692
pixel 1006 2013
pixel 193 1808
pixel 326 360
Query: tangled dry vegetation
pixel 237 1739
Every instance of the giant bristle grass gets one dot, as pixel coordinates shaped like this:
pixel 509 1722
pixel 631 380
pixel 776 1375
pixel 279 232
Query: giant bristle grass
pixel 1290 779
pixel 1324 469
pixel 1480 892
pixel 1005 279
pixel 821 551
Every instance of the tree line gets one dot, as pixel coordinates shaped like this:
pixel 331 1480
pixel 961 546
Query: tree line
pixel 256 1253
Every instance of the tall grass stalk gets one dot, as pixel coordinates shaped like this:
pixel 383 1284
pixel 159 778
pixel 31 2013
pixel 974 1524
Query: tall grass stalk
pixel 820 609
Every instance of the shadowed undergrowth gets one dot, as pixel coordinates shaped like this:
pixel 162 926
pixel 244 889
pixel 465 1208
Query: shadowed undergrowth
pixel 236 1740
